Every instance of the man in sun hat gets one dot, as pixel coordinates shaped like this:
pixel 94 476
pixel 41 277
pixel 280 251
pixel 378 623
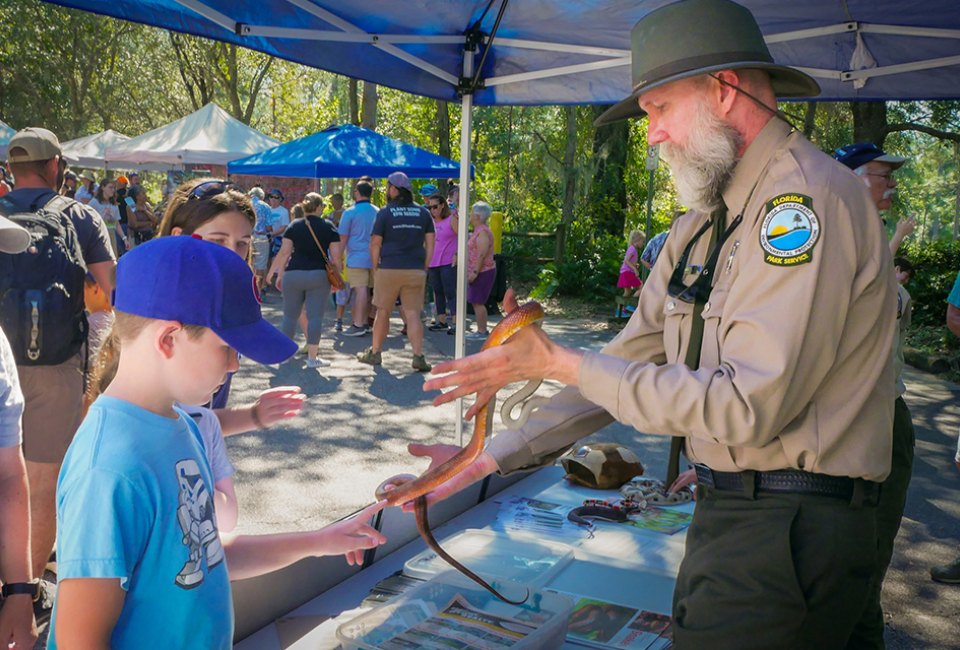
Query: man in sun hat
pixel 761 342
pixel 875 167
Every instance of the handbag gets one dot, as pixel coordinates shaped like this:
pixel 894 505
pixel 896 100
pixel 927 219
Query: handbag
pixel 336 282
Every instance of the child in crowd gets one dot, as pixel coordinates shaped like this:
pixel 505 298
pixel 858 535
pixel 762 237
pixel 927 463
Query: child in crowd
pixel 149 567
pixel 629 274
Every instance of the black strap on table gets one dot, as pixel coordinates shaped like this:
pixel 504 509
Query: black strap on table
pixel 718 235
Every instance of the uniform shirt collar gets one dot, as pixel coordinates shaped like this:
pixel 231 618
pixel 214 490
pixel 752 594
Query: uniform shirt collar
pixel 753 162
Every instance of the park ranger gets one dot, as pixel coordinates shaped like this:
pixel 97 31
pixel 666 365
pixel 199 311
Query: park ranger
pixel 762 340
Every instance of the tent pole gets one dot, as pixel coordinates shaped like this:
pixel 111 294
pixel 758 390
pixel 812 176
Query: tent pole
pixel 463 221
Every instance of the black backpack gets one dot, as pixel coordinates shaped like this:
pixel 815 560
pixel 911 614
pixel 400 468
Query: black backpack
pixel 41 289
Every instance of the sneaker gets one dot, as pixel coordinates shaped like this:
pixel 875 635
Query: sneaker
pixel 316 363
pixel 355 330
pixel 478 336
pixel 339 325
pixel 370 357
pixel 302 352
pixel 43 605
pixel 420 363
pixel 403 332
pixel 452 331
pixel 438 327
pixel 948 574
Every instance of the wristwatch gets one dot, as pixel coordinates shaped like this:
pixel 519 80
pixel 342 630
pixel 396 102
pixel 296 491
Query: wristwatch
pixel 31 588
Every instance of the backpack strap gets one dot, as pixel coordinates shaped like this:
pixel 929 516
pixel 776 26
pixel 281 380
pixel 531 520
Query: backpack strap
pixel 59 204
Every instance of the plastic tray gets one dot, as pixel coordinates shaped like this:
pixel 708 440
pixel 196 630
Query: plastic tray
pixel 410 620
pixel 491 554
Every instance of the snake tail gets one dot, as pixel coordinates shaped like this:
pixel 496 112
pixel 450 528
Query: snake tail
pixel 423 525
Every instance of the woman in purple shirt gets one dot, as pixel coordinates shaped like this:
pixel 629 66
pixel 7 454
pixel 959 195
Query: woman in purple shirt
pixel 442 275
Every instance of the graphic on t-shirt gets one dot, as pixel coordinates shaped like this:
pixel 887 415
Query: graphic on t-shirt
pixel 197 522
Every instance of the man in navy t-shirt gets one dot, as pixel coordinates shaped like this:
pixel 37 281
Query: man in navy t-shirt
pixel 401 246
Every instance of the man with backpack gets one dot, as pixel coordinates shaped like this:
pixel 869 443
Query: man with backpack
pixel 41 312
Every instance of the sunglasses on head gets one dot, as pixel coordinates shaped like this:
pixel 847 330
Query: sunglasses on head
pixel 210 188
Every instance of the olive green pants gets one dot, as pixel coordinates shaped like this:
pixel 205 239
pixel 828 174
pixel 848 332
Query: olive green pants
pixel 868 632
pixel 778 571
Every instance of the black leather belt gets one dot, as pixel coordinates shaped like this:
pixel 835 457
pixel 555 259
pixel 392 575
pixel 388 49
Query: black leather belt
pixel 789 481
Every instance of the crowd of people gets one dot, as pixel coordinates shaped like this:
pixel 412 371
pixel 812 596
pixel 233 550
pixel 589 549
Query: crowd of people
pixel 161 355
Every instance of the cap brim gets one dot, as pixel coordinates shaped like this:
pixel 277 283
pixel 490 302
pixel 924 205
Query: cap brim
pixel 896 162
pixel 13 238
pixel 788 83
pixel 259 341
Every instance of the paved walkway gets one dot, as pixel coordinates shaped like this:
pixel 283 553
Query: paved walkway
pixel 358 420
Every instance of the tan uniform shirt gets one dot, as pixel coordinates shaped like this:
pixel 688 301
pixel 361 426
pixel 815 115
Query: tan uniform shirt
pixel 796 368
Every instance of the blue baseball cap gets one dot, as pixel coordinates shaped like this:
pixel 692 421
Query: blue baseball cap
pixel 200 283
pixel 429 190
pixel 855 155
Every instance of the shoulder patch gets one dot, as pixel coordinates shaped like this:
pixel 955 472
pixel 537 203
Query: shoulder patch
pixel 789 231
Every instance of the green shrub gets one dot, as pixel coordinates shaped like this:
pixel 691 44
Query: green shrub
pixel 935 268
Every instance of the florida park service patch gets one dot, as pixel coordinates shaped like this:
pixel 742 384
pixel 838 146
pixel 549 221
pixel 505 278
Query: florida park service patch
pixel 790 230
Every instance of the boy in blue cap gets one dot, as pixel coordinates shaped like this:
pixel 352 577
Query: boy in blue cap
pixel 149 566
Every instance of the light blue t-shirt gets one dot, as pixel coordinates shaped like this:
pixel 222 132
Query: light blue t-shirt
pixel 11 397
pixel 357 224
pixel 135 502
pixel 954 297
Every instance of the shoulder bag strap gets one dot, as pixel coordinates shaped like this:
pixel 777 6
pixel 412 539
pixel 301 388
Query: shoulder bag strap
pixel 306 220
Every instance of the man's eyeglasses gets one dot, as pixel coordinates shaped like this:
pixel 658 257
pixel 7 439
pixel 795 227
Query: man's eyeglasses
pixel 702 286
pixel 210 188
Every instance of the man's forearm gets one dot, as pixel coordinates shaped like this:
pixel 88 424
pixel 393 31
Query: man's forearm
pixel 15 528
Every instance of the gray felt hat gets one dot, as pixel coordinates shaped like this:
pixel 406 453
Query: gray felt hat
pixel 695 37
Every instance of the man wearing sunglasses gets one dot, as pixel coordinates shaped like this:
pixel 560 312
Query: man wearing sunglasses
pixel 762 342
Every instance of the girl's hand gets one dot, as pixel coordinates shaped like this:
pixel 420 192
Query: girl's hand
pixel 350 537
pixel 280 403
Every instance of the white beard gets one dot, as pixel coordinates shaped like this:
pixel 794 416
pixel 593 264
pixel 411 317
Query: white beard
pixel 703 166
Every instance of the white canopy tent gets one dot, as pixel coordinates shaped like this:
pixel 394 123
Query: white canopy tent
pixel 90 152
pixel 209 136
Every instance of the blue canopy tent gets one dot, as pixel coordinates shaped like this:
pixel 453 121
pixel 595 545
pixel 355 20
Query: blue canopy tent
pixel 343 152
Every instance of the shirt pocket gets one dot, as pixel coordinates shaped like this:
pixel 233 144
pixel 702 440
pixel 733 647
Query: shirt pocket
pixel 712 328
pixel 676 327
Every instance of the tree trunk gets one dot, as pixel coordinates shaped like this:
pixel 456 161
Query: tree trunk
pixel 354 103
pixel 443 128
pixel 569 183
pixel 608 195
pixel 810 119
pixel 869 122
pixel 370 100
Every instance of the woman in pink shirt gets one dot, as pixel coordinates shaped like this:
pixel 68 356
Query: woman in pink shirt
pixel 442 275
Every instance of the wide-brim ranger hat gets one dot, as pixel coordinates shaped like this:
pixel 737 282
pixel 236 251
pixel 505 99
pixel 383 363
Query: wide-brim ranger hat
pixel 196 282
pixel 695 37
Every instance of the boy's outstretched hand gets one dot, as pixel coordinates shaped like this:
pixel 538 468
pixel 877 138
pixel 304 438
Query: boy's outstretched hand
pixel 350 537
pixel 280 403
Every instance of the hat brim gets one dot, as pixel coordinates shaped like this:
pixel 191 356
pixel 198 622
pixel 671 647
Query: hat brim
pixel 788 83
pixel 896 162
pixel 13 238
pixel 259 341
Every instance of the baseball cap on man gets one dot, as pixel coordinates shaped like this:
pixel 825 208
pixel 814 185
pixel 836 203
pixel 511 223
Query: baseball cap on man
pixel 199 283
pixel 429 190
pixel 123 180
pixel 275 193
pixel 33 144
pixel 694 37
pixel 855 155
pixel 13 237
pixel 400 181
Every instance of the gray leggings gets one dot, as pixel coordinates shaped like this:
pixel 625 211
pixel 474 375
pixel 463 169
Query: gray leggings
pixel 312 288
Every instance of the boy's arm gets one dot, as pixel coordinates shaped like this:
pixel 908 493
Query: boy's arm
pixel 225 505
pixel 249 556
pixel 87 612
